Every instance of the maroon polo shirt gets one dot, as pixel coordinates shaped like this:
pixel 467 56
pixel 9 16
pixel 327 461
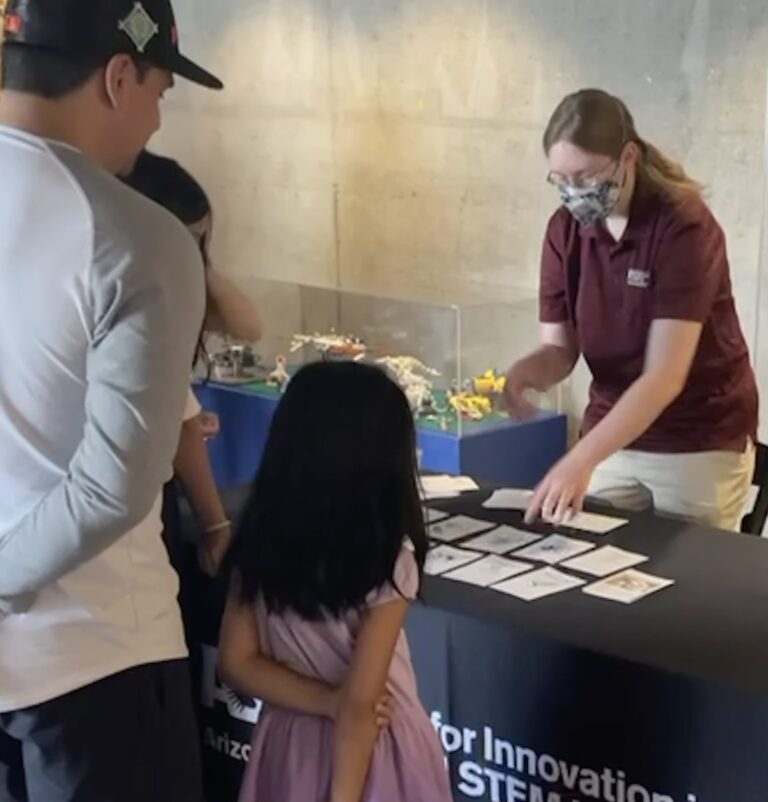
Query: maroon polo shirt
pixel 671 263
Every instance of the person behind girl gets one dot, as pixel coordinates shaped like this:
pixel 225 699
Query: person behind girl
pixel 228 311
pixel 326 562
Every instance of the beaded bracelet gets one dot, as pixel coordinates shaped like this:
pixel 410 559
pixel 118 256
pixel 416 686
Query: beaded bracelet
pixel 211 530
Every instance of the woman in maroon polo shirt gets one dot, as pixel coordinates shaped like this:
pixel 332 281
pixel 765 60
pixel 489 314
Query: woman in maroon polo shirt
pixel 635 278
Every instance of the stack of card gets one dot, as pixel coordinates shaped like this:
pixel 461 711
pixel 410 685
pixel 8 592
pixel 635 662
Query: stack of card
pixel 446 486
pixel 509 499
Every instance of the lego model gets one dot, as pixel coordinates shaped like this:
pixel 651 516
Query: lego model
pixel 411 374
pixel 235 363
pixel 279 377
pixel 469 405
pixel 331 345
pixel 490 383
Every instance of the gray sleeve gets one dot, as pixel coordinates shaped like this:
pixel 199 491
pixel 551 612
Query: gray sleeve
pixel 148 312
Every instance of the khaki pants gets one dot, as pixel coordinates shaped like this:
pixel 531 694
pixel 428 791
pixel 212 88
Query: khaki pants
pixel 709 488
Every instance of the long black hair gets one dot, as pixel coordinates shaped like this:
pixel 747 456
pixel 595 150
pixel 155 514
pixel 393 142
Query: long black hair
pixel 168 184
pixel 335 497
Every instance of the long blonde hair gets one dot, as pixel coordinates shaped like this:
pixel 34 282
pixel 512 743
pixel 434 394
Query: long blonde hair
pixel 598 122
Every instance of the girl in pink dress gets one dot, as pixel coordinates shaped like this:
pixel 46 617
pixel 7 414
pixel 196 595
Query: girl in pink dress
pixel 327 560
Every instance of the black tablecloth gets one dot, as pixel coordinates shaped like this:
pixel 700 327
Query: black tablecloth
pixel 569 697
pixel 712 624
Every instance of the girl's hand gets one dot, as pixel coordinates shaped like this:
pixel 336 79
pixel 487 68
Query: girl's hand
pixel 562 491
pixel 382 711
pixel 209 425
pixel 213 548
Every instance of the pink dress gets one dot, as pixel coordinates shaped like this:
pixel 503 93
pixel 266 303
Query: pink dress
pixel 292 754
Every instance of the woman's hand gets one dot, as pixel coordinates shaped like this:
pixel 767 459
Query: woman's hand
pixel 519 381
pixel 562 491
pixel 541 370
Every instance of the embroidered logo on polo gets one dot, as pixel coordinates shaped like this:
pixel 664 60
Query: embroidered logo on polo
pixel 640 279
pixel 139 27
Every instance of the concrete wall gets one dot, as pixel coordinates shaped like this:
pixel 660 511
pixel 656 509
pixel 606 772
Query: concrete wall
pixel 394 145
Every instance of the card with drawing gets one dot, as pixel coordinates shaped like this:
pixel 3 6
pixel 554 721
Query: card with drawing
pixel 605 561
pixel 591 522
pixel 538 584
pixel 488 571
pixel 503 540
pixel 628 586
pixel 554 549
pixel 446 558
pixel 456 528
pixel 509 499
pixel 432 516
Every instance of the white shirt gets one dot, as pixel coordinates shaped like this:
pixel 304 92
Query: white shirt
pixel 99 315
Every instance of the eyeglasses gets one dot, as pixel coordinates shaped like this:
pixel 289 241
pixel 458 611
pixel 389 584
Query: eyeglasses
pixel 591 181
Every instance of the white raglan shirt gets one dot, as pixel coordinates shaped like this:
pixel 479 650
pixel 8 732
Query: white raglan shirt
pixel 99 315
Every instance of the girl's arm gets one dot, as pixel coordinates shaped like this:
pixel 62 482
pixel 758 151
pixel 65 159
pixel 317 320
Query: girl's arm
pixel 356 727
pixel 230 311
pixel 193 467
pixel 243 667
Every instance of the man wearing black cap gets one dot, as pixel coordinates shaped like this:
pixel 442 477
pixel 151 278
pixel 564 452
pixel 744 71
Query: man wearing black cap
pixel 99 316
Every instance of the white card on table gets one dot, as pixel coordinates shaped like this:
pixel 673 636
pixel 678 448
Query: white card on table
pixel 538 584
pixel 446 558
pixel 509 499
pixel 555 549
pixel 439 495
pixel 456 528
pixel 605 561
pixel 446 486
pixel 591 522
pixel 488 571
pixel 503 540
pixel 628 587
pixel 431 516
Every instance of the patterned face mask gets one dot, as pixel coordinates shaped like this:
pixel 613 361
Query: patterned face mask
pixel 590 205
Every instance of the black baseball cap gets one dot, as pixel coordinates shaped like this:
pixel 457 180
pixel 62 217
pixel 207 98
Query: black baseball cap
pixel 103 28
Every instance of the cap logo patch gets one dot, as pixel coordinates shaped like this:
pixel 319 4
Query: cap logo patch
pixel 139 27
pixel 12 23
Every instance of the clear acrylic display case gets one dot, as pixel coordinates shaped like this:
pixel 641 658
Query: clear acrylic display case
pixel 449 357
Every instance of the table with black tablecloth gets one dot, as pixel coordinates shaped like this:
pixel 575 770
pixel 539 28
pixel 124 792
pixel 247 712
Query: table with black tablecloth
pixel 571 697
